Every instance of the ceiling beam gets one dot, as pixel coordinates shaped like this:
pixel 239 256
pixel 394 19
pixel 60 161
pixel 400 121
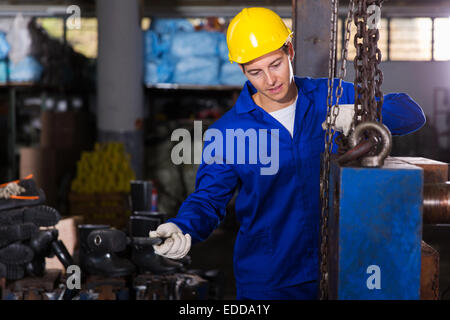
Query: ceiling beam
pixel 221 8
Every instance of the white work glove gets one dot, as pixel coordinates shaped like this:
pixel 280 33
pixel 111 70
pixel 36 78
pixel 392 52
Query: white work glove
pixel 177 244
pixel 344 120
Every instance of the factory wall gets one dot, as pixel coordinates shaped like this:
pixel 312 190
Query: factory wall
pixel 420 79
pixel 416 78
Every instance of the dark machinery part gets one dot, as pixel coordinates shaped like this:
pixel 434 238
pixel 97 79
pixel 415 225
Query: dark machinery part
pixel 142 252
pixel 63 255
pixel 145 241
pixel 61 252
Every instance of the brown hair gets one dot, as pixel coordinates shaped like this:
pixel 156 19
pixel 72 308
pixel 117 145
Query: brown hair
pixel 285 49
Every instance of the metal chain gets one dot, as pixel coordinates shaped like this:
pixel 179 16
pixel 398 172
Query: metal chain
pixel 326 155
pixel 367 84
pixel 368 76
pixel 376 60
pixel 332 109
pixel 360 18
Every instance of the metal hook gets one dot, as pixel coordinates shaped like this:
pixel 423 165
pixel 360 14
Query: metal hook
pixel 378 160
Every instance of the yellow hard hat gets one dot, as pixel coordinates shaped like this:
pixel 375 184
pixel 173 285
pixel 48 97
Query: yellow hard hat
pixel 253 32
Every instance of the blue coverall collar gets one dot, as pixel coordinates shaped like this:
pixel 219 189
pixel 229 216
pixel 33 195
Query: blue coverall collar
pixel 245 102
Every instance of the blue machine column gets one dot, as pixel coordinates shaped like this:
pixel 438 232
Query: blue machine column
pixel 375 229
pixel 119 83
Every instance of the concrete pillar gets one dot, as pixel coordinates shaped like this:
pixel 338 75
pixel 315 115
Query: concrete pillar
pixel 311 26
pixel 120 95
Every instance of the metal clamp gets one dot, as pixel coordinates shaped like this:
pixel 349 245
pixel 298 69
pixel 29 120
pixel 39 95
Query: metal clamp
pixel 378 160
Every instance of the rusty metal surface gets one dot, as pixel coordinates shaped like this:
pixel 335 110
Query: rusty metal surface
pixel 179 286
pixel 433 171
pixel 34 288
pixel 436 190
pixel 101 288
pixel 48 282
pixel 436 203
pixel 95 281
pixel 429 275
pixel 356 152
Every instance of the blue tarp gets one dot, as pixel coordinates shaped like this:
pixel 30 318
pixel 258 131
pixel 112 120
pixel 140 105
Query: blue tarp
pixel 165 26
pixel 197 43
pixel 150 45
pixel 4 46
pixel 223 47
pixel 197 70
pixel 158 71
pixel 176 53
pixel 27 69
pixel 156 45
pixel 3 71
pixel 231 74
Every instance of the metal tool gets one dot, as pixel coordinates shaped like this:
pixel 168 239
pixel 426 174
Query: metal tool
pixel 145 241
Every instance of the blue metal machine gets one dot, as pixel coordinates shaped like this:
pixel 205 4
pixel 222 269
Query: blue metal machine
pixel 375 231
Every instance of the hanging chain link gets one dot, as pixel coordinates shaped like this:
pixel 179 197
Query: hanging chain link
pixel 367 84
pixel 368 76
pixel 332 109
pixel 376 60
pixel 326 155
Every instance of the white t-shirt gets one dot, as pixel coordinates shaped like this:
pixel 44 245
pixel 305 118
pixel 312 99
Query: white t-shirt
pixel 286 116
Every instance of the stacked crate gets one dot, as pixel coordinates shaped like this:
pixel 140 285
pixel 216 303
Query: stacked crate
pixel 101 208
pixel 100 191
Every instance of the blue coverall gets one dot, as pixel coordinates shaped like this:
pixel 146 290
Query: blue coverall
pixel 276 249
